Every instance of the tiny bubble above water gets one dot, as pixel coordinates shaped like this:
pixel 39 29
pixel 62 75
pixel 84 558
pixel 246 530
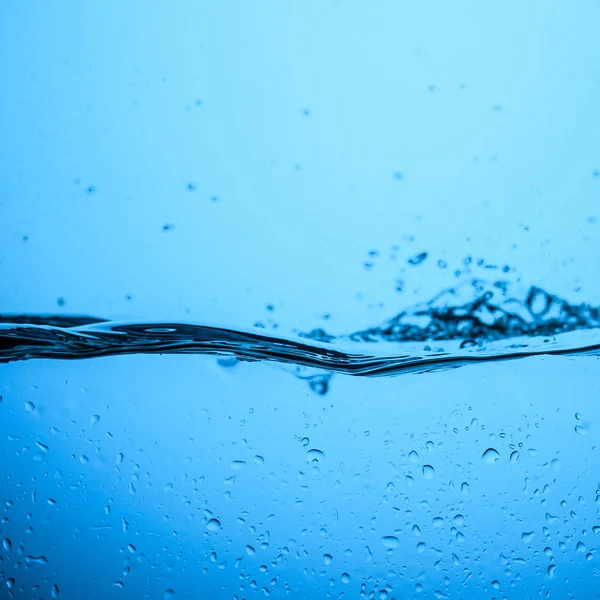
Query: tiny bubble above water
pixel 490 456
pixel 213 525
pixel 417 259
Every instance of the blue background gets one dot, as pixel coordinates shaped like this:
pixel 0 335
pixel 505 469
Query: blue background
pixel 279 143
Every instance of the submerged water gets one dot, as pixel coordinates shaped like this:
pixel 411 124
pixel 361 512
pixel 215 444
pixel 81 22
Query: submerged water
pixel 220 479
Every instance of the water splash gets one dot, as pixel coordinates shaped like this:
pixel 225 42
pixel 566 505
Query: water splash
pixel 491 325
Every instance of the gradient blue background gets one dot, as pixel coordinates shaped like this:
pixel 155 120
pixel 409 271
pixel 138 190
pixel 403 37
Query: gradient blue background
pixel 282 141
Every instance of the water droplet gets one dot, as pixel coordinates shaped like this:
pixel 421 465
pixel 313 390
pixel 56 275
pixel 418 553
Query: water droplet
pixel 514 456
pixel 390 541
pixel 168 594
pixel 6 544
pixel 551 570
pixel 55 591
pixel 413 456
pixel 250 551
pixel 327 558
pixel 490 456
pixel 238 464
pixel 131 548
pixel 305 442
pixel 83 459
pixel 580 430
pixel 315 456
pixel 527 536
pixel 213 525
pixel 345 578
pixel 464 487
pixel 417 259
pixel 419 588
pixel 428 471
pixel 29 406
pixel 94 419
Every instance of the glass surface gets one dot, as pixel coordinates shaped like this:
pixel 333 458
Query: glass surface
pixel 299 299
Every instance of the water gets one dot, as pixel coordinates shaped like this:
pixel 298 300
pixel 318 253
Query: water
pixel 231 478
pixel 299 300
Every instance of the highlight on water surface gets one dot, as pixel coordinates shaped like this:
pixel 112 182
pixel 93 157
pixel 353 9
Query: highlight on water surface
pixel 446 332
